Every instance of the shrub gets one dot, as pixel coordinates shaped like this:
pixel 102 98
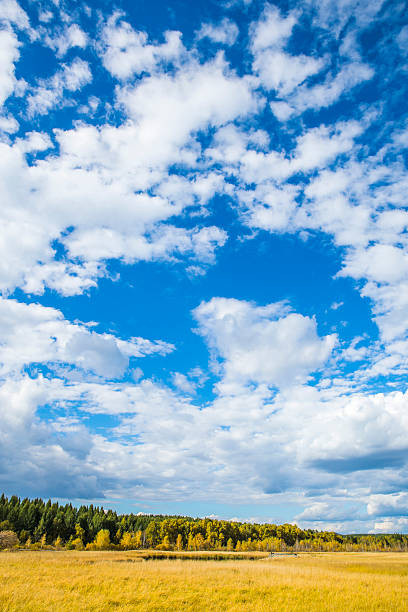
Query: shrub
pixel 8 539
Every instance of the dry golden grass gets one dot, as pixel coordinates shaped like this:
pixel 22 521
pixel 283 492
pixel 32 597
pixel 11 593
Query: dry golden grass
pixel 106 581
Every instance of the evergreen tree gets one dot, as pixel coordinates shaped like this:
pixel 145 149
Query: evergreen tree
pixel 45 522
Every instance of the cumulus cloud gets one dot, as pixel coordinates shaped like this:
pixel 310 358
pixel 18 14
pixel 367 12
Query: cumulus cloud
pixel 112 169
pixel 382 263
pixel 48 460
pixel 358 202
pixel 9 54
pixel 127 52
pixel 287 74
pixel 389 525
pixel 272 29
pixel 12 13
pixel 277 69
pixel 394 504
pixel 110 165
pixel 8 125
pixel 224 33
pixel 293 415
pixel 33 334
pixel 335 15
pixel 323 94
pixel 196 98
pixel 402 38
pixel 183 383
pixel 50 92
pixel 248 439
pixel 262 344
pixel 325 511
pixel 70 37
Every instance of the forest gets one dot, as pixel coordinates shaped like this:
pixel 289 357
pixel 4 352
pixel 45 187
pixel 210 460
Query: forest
pixel 39 524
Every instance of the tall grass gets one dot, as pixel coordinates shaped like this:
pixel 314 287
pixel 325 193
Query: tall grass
pixel 106 581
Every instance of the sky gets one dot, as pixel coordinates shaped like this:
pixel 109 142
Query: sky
pixel 204 258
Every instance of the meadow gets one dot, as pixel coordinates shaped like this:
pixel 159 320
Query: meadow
pixel 83 581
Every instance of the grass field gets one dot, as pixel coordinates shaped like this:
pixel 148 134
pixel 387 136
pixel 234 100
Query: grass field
pixel 105 581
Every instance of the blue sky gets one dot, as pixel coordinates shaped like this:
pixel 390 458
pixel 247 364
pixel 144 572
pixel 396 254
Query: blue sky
pixel 204 258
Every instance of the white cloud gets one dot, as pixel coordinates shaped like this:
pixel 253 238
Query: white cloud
pixel 225 32
pixel 61 41
pixel 45 16
pixel 269 207
pixel 390 306
pixel 319 145
pixel 324 94
pixel 247 442
pixel 102 244
pixel 196 97
pixel 272 30
pixel 12 13
pixel 270 203
pixel 103 229
pixel 183 383
pixel 402 38
pixel 262 344
pixel 314 148
pixel 287 74
pixel 50 92
pixel 126 52
pixel 73 76
pixel 394 504
pixel 282 72
pixel 65 277
pixel 116 165
pixel 110 168
pixel 32 334
pixel 391 526
pixel 49 458
pixel 335 15
pixel 9 54
pixel 359 203
pixel 382 263
pixel 324 511
pixel 359 433
pixel 282 110
pixel 8 124
pixel 35 141
pixel 179 130
pixel 277 69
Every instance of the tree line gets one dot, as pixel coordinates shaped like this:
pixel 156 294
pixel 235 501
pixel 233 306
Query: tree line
pixel 38 524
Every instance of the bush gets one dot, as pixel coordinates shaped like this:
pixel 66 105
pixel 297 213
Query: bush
pixel 8 539
pixel 78 544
